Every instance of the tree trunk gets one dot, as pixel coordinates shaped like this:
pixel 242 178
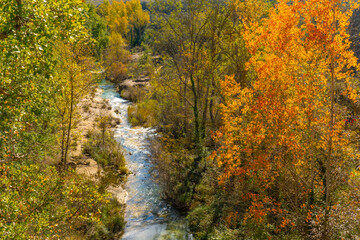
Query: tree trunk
pixel 68 133
pixel 327 185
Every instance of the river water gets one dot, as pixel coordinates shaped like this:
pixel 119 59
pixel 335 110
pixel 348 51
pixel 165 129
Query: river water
pixel 147 215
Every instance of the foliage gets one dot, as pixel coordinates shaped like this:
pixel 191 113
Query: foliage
pixel 143 114
pixel 127 22
pixel 127 19
pixel 28 33
pixel 116 58
pixel 135 94
pixel 37 202
pixel 199 42
pixel 201 221
pixel 274 83
pixel 97 26
pixel 75 80
pixel 112 218
pixel 284 138
pixel 45 69
pixel 105 150
pixel 170 155
pixel 144 66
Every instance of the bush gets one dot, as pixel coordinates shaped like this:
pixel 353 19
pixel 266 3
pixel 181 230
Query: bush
pixel 134 94
pixel 105 150
pixel 113 222
pixel 143 114
pixel 226 234
pixel 169 156
pixel 39 203
pixel 201 221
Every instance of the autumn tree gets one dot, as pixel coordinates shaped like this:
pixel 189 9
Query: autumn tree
pixel 183 43
pixel 38 202
pixel 116 58
pixel 117 17
pixel 284 137
pixel 138 21
pixel 127 22
pixel 75 80
pixel 127 18
pixel 199 43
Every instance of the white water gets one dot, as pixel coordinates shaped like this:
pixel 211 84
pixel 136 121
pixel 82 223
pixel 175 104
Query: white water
pixel 147 215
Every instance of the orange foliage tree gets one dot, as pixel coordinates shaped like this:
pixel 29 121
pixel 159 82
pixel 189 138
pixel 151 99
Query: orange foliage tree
pixel 284 137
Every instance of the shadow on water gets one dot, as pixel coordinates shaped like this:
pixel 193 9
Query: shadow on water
pixel 147 215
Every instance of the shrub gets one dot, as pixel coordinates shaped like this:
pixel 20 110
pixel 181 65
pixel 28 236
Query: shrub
pixel 143 114
pixel 134 94
pixel 201 220
pixel 113 222
pixel 104 149
pixel 226 234
pixel 39 203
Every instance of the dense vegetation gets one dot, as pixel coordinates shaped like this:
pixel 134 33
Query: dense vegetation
pixel 256 106
pixel 50 52
pixel 255 103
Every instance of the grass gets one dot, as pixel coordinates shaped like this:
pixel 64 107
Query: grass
pixel 105 150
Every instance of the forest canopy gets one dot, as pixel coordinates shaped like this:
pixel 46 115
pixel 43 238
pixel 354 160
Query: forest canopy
pixel 255 104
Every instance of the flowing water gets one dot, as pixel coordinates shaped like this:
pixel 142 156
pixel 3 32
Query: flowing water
pixel 147 215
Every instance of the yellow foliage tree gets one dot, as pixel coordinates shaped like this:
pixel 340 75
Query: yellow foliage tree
pixel 127 19
pixel 116 57
pixel 118 18
pixel 138 20
pixel 75 81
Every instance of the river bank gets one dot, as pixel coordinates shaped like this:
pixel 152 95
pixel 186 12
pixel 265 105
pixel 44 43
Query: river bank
pixel 147 215
pixel 91 109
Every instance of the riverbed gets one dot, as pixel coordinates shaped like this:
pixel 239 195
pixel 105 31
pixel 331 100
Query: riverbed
pixel 147 216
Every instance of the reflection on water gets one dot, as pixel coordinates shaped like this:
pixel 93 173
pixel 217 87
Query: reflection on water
pixel 148 216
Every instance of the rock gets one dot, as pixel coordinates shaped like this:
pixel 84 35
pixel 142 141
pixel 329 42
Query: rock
pixel 90 168
pixel 142 79
pixel 120 194
pixel 113 123
pixel 129 83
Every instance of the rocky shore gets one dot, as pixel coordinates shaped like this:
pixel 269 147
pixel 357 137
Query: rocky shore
pixel 91 109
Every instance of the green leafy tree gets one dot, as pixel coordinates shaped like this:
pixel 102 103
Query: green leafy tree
pixel 28 32
pixel 97 26
pixel 37 202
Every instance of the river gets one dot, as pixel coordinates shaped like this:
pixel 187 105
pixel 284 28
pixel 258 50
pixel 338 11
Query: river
pixel 147 216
